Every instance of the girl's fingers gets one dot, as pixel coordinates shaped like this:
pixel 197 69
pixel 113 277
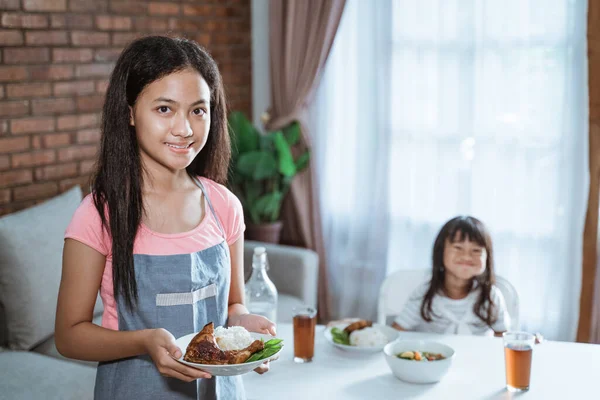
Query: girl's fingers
pixel 187 371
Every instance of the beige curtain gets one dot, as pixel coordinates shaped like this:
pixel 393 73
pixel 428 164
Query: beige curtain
pixel 300 38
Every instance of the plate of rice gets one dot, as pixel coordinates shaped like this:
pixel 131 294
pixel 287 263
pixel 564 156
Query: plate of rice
pixel 232 338
pixel 366 337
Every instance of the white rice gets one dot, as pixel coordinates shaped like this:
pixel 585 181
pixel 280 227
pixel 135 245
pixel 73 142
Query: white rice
pixel 232 338
pixel 368 337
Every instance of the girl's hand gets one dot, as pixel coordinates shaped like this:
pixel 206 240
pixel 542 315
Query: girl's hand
pixel 160 345
pixel 255 323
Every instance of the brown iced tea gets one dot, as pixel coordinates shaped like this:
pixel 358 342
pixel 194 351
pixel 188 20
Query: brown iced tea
pixel 518 352
pixel 518 366
pixel 304 334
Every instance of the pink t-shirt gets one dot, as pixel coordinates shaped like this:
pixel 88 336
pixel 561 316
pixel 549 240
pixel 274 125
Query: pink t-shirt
pixel 86 227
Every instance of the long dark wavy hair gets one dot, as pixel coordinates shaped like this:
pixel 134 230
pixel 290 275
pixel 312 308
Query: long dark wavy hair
pixel 459 229
pixel 117 182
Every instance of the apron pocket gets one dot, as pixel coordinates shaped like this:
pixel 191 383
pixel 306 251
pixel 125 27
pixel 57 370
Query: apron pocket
pixel 185 313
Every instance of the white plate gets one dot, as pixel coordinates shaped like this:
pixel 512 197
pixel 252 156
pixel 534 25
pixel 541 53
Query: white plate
pixel 391 333
pixel 224 370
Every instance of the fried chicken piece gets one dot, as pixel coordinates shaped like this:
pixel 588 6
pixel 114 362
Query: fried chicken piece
pixel 203 349
pixel 358 325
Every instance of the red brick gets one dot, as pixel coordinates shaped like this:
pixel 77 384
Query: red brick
pixel 52 72
pixel 12 178
pixel 2 92
pixel 107 54
pixel 203 11
pixel 32 159
pixel 52 106
pixel 77 153
pixel 10 37
pixel 90 38
pixel 51 38
pixel 53 172
pixel 93 70
pixel 78 87
pixel 72 55
pixel 11 74
pixel 9 4
pixel 31 125
pixel 28 90
pixel 11 145
pixel 86 167
pixel 26 55
pixel 90 103
pixel 88 5
pixel 230 12
pixel 36 142
pixel 4 162
pixel 72 21
pixel 45 5
pixel 121 39
pixel 17 20
pixel 163 8
pixel 56 140
pixel 88 136
pixel 14 108
pixel 128 7
pixel 83 182
pixel 110 23
pixel 151 24
pixel 71 122
pixel 5 196
pixel 35 191
pixel 101 86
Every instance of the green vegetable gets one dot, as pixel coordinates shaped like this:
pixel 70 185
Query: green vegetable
pixel 339 336
pixel 271 347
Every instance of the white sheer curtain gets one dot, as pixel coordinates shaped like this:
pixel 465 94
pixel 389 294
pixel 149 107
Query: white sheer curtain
pixel 433 108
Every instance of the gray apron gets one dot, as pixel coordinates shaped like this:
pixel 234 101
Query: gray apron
pixel 180 293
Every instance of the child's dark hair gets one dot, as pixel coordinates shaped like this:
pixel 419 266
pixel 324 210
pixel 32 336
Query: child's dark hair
pixel 459 229
pixel 117 183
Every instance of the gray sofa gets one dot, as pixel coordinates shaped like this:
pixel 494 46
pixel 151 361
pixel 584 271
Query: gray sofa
pixel 30 263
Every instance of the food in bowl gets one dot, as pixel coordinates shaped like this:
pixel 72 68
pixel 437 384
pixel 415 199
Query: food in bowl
pixel 360 334
pixel 232 346
pixel 420 356
pixel 408 370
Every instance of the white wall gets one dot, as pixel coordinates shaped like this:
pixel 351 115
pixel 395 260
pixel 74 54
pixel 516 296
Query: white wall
pixel 261 90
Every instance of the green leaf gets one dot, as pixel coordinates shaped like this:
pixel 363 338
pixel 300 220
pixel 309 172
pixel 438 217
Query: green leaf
pixel 340 336
pixel 273 342
pixel 284 155
pixel 292 133
pixel 244 135
pixel 302 161
pixel 269 204
pixel 257 165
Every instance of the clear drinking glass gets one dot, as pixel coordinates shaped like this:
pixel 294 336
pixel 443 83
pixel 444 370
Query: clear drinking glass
pixel 305 320
pixel 518 351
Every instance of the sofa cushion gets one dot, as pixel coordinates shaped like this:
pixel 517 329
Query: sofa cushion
pixel 285 306
pixel 30 267
pixel 26 375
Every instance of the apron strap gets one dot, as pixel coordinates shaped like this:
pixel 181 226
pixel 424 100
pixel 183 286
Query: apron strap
pixel 212 209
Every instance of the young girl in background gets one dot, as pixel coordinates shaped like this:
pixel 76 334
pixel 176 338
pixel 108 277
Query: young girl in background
pixel 461 297
pixel 160 236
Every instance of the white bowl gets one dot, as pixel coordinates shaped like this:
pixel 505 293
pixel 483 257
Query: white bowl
pixel 391 333
pixel 418 371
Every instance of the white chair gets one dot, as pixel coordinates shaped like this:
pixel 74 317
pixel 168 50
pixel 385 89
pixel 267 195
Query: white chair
pixel 398 286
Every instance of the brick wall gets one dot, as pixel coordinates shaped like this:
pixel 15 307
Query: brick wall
pixel 55 60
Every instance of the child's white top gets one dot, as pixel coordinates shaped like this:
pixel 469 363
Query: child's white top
pixel 452 316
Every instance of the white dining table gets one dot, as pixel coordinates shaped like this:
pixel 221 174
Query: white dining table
pixel 560 370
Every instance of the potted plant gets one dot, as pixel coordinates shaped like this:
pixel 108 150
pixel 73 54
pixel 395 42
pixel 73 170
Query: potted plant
pixel 261 172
